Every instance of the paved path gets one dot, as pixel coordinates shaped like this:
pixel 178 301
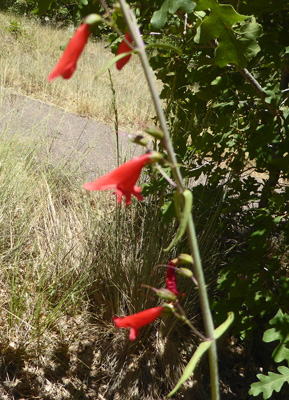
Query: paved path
pixel 70 137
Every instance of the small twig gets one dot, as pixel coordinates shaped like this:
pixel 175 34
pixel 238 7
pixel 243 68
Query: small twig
pixel 104 5
pixel 253 82
pixel 184 318
pixel 257 87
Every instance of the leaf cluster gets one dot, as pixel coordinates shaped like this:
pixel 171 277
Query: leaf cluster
pixel 274 381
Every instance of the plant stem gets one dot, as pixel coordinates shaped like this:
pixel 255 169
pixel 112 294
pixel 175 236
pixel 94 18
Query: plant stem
pixel 192 238
pixel 115 118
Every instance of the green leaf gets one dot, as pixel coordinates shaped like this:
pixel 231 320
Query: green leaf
pixel 188 203
pixel 269 383
pixel 111 62
pixel 203 347
pixel 280 331
pixel 160 17
pixel 234 46
pixel 43 6
pixel 248 34
pixel 224 326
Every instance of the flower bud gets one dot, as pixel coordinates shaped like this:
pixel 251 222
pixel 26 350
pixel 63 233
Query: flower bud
pixel 93 19
pixel 156 156
pixel 185 259
pixel 166 294
pixel 157 133
pixel 185 272
pixel 168 308
pixel 139 139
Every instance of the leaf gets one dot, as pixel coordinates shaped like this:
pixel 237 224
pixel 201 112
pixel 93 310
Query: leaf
pixel 224 326
pixel 188 199
pixel 280 331
pixel 203 347
pixel 160 17
pixel 248 33
pixel 269 383
pixel 43 6
pixel 111 62
pixel 236 47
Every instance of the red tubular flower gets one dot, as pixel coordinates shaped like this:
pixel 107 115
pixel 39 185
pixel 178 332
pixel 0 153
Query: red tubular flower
pixel 122 179
pixel 124 48
pixel 171 280
pixel 136 321
pixel 67 64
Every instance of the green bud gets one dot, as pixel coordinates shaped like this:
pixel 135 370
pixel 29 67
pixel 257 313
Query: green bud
pixel 139 139
pixel 166 294
pixel 185 272
pixel 168 307
pixel 185 259
pixel 156 156
pixel 155 132
pixel 93 19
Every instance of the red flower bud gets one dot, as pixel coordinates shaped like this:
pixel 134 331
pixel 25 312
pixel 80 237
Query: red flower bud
pixel 124 48
pixel 67 64
pixel 171 279
pixel 136 321
pixel 123 179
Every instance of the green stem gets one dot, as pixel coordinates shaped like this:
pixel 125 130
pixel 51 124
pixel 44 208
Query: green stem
pixel 192 238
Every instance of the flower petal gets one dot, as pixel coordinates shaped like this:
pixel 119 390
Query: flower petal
pixel 136 321
pixel 133 333
pixel 122 179
pixel 124 48
pixel 67 63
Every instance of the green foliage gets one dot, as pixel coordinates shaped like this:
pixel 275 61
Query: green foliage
pixel 21 7
pixel 272 381
pixel 160 17
pixel 183 215
pixel 280 332
pixel 236 46
pixel 16 28
pixel 201 350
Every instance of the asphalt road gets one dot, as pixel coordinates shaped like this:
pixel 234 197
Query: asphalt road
pixel 67 137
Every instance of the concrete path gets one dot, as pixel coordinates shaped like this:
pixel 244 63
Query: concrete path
pixel 68 137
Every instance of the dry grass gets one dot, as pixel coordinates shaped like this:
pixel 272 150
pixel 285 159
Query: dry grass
pixel 69 262
pixel 29 51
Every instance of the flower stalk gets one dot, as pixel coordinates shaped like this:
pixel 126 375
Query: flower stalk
pixel 192 238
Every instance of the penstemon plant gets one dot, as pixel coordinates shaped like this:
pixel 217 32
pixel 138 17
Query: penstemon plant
pixel 123 181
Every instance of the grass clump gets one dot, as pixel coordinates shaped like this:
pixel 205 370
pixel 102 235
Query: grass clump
pixel 70 262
